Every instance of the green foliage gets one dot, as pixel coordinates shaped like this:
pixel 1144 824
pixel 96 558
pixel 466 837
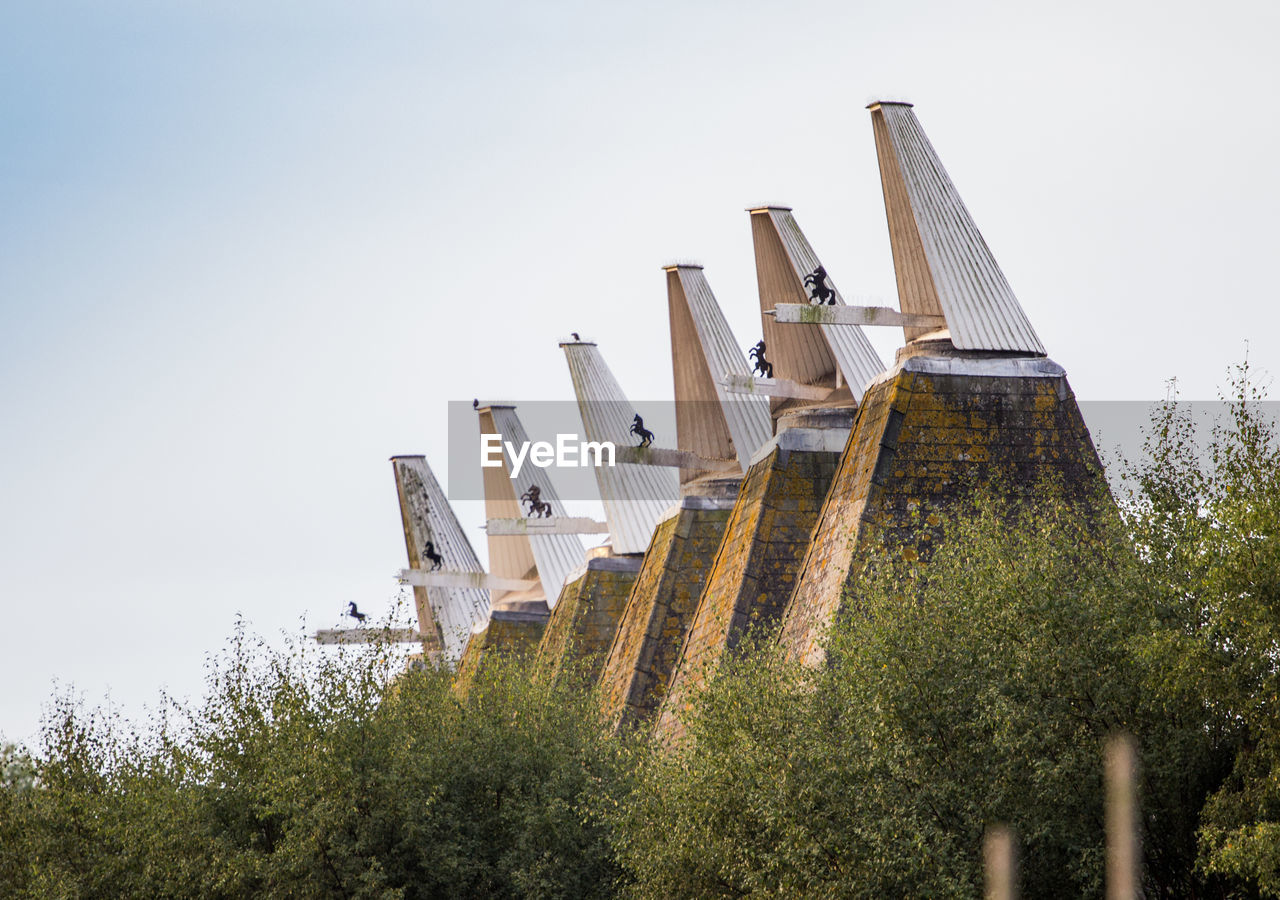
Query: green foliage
pixel 309 773
pixel 1210 533
pixel 17 771
pixel 17 777
pixel 716 815
pixel 974 690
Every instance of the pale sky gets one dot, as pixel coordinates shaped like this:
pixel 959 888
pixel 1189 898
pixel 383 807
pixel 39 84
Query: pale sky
pixel 249 251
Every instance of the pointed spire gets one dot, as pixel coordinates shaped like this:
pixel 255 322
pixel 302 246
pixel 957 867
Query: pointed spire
pixel 789 271
pixel 635 497
pixel 943 265
pixel 710 421
pixel 547 557
pixel 427 517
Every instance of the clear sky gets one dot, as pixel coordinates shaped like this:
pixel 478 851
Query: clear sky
pixel 250 250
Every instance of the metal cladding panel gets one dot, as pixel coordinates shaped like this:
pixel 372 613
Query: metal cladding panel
pixel 981 310
pixel 554 555
pixel 701 427
pixel 916 295
pixel 427 516
pixel 858 360
pixel 635 497
pixel 701 360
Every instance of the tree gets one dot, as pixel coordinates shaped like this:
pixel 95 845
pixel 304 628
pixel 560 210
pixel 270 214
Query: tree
pixel 307 773
pixel 974 689
pixel 1208 525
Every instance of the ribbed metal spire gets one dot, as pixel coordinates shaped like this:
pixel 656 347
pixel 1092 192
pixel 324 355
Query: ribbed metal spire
pixel 943 265
pixel 710 421
pixel 634 496
pixel 547 557
pixel 784 261
pixel 427 517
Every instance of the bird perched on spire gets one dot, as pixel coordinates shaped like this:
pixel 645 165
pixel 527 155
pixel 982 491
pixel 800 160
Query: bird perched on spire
pixel 475 404
pixel 575 336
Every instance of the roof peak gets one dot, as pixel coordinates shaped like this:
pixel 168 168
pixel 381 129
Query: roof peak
pixel 634 496
pixel 941 261
pixel 788 270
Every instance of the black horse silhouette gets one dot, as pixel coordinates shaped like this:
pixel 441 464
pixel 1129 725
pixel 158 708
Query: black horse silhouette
pixel 763 367
pixel 819 291
pixel 431 554
pixel 355 613
pixel 638 429
pixel 538 507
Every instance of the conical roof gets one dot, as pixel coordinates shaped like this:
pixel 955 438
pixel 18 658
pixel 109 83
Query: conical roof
pixel 943 265
pixel 710 421
pixel 635 497
pixel 427 517
pixel 547 557
pixel 785 261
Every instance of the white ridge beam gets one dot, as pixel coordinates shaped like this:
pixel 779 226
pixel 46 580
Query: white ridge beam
pixel 548 525
pixel 775 387
pixel 465 580
pixel 369 635
pixel 800 314
pixel 676 459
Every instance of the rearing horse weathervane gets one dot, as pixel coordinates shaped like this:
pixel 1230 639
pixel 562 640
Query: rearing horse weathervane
pixel 638 429
pixel 763 366
pixel 820 292
pixel 538 508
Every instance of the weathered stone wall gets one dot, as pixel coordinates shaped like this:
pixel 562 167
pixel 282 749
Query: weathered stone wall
pixel 586 616
pixel 923 436
pixel 756 565
pixel 506 632
pixel 638 668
